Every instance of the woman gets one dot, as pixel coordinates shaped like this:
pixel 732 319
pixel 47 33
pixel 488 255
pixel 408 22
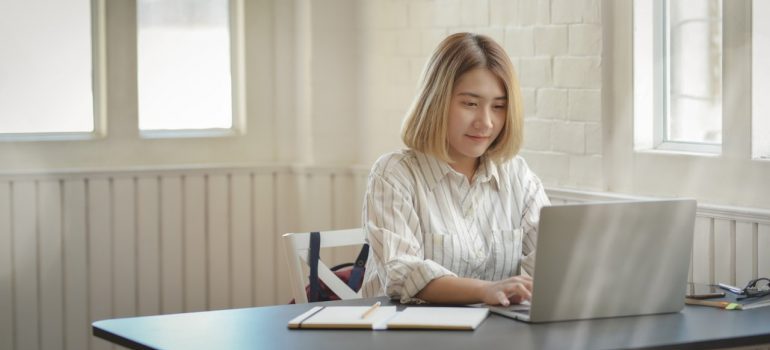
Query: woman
pixel 453 218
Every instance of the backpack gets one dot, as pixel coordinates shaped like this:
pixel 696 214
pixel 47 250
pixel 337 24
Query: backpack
pixel 350 273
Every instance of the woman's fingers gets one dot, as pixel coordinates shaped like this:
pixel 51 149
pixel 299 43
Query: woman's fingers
pixel 502 298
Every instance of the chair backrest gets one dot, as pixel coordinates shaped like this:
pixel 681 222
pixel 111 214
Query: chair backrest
pixel 297 246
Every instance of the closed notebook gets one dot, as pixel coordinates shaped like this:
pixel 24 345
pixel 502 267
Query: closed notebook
pixel 386 317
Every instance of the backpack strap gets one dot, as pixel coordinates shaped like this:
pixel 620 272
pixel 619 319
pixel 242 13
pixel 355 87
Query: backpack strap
pixel 312 261
pixel 357 274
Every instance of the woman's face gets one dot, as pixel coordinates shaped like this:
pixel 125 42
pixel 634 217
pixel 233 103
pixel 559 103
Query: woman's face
pixel 476 114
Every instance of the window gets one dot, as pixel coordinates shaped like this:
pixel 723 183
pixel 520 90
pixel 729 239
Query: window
pixel 184 78
pixel 678 75
pixel 47 86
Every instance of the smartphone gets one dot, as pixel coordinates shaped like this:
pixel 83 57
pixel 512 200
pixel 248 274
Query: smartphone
pixel 703 291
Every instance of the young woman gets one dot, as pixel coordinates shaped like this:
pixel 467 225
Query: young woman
pixel 453 218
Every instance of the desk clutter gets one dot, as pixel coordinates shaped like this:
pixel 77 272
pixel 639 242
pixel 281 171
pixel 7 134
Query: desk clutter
pixel 388 317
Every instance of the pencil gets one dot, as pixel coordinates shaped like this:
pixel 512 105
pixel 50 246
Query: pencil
pixel 370 310
pixel 717 304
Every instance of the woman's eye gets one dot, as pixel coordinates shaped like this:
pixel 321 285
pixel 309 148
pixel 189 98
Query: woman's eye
pixel 470 104
pixel 500 107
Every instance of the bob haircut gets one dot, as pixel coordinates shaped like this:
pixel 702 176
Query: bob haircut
pixel 425 125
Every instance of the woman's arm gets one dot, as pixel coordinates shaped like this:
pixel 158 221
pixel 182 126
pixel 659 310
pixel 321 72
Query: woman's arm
pixel 459 290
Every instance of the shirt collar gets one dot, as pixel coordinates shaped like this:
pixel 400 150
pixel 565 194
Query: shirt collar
pixel 434 170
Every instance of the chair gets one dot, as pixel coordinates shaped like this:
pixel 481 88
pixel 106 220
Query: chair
pixel 297 246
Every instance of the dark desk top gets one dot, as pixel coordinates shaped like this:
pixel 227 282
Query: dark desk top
pixel 265 328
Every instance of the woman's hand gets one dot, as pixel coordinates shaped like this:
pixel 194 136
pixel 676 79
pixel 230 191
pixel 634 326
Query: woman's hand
pixel 504 292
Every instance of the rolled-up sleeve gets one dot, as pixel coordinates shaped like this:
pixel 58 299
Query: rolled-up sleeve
pixel 393 231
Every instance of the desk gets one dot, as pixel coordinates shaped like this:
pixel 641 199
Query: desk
pixel 265 328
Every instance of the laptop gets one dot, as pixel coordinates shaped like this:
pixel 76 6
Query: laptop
pixel 609 259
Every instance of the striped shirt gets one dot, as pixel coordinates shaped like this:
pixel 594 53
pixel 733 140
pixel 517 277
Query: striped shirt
pixel 424 220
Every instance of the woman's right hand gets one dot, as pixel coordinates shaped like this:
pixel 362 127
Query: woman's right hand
pixel 510 290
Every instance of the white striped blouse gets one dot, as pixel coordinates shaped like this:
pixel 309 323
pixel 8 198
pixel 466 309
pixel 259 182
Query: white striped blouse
pixel 424 220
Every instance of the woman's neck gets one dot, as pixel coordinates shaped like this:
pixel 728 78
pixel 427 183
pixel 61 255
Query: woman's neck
pixel 466 167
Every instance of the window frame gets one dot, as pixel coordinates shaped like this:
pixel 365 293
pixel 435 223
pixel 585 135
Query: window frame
pixel 98 88
pixel 266 126
pixel 237 82
pixel 731 177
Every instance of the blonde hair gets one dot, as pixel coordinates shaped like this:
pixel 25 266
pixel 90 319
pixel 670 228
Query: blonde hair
pixel 425 126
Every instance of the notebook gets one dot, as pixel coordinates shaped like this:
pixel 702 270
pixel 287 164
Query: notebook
pixel 609 259
pixel 387 317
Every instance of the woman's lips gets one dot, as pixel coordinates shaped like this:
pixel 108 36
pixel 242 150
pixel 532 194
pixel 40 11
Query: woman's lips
pixel 478 138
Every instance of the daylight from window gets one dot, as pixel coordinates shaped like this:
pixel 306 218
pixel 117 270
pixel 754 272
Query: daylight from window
pixel 184 78
pixel 46 81
pixel 694 71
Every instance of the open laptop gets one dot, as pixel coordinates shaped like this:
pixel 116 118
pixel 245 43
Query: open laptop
pixel 609 259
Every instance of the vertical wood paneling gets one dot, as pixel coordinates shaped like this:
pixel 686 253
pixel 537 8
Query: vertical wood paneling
pixel 75 266
pixel 347 213
pixel 218 242
pixel 148 246
pixel 724 251
pixel 124 246
pixel 287 220
pixel 744 252
pixel 51 280
pixel 25 261
pixel 195 243
pixel 763 251
pixel 317 208
pixel 265 238
pixel 6 269
pixel 172 245
pixel 241 240
pixel 701 252
pixel 100 253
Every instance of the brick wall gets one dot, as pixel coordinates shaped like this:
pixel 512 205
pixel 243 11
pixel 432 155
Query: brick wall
pixel 555 45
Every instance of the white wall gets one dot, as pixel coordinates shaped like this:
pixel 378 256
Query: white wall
pixel 556 47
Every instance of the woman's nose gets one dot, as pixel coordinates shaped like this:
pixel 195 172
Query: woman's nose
pixel 484 119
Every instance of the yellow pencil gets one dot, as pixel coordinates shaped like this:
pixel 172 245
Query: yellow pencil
pixel 717 304
pixel 370 310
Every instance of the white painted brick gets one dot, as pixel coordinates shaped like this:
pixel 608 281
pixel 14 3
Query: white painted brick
pixel 497 34
pixel 585 105
pixel 420 14
pixel 537 135
pixel 474 12
pixel 385 14
pixel 430 39
pixel 520 41
pixel 447 13
pixel 568 137
pixel 544 12
pixel 567 11
pixel 519 12
pixel 407 43
pixel 581 72
pixel 585 40
pixel 593 138
pixel 592 13
pixel 503 12
pixel 399 70
pixel 575 11
pixel 552 103
pixel 416 66
pixel 552 168
pixel 380 42
pixel 536 72
pixel 528 100
pixel 586 171
pixel 551 40
pixel 527 14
